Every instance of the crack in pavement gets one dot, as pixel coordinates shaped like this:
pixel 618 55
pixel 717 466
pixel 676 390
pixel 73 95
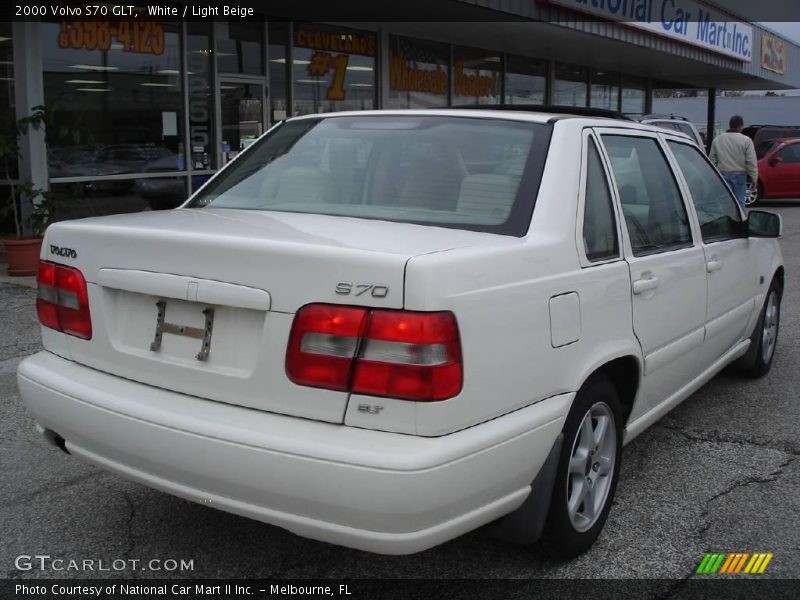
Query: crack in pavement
pixel 56 487
pixel 735 486
pixel 706 514
pixel 720 438
pixel 129 524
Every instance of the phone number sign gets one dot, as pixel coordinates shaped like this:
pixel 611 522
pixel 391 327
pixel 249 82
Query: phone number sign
pixel 144 37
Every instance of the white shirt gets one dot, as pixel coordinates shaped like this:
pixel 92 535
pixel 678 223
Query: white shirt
pixel 734 152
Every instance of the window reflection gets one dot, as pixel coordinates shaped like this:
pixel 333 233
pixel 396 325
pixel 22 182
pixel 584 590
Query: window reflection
pixel 525 80
pixel 633 96
pixel 476 76
pixel 570 85
pixel 333 69
pixel 418 73
pixel 240 47
pixel 116 106
pixel 605 90
pixel 202 153
pixel 76 200
pixel 7 104
pixel 278 70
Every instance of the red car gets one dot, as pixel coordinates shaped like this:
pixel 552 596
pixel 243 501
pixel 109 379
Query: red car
pixel 778 170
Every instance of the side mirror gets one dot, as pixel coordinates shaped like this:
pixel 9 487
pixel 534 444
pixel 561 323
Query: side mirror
pixel 775 161
pixel 761 223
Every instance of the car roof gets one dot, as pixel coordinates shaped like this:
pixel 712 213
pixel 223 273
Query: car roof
pixel 504 113
pixel 780 141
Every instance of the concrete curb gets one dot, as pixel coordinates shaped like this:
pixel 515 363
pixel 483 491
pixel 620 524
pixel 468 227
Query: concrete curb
pixel 6 278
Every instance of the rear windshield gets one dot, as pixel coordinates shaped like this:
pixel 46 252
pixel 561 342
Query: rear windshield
pixel 459 172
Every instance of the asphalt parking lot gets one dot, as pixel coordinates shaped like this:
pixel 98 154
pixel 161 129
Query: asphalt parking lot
pixel 721 472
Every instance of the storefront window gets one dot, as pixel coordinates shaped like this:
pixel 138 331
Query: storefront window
pixel 418 73
pixel 202 153
pixel 115 98
pixel 99 197
pixel 476 76
pixel 605 90
pixel 333 69
pixel 114 89
pixel 633 96
pixel 7 105
pixel 278 71
pixel 240 47
pixel 570 85
pixel 526 80
pixel 6 218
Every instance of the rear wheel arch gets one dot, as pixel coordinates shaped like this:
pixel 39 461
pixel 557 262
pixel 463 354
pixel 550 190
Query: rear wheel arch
pixel 624 372
pixel 779 277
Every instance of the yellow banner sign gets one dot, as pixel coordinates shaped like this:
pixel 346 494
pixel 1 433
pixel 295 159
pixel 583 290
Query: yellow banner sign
pixel 143 37
pixel 477 83
pixel 407 76
pixel 773 54
pixel 334 41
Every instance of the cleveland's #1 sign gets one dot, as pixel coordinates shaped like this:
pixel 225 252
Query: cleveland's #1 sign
pixel 684 20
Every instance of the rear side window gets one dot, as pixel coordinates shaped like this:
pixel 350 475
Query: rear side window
pixel 467 173
pixel 716 208
pixel 655 215
pixel 599 223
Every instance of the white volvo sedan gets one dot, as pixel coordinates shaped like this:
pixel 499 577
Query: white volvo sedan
pixel 385 329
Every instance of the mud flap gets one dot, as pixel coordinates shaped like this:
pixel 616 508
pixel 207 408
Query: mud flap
pixel 525 525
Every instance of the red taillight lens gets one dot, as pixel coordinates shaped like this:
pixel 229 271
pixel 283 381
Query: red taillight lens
pixel 400 354
pixel 322 345
pixel 410 355
pixel 63 300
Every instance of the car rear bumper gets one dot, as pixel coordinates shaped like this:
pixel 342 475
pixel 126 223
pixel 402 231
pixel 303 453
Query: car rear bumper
pixel 382 492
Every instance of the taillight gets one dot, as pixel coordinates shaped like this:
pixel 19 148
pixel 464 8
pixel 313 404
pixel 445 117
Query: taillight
pixel 63 300
pixel 395 353
pixel 322 345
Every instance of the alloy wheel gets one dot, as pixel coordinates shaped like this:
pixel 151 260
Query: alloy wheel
pixel 769 331
pixel 591 466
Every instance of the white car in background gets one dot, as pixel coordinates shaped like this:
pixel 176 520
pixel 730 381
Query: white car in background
pixel 681 124
pixel 385 329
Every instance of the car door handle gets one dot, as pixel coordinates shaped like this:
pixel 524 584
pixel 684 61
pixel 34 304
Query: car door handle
pixel 713 265
pixel 643 285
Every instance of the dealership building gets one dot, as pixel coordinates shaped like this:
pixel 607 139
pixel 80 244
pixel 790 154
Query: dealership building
pixel 143 109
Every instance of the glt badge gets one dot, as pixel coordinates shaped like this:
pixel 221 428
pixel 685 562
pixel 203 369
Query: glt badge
pixel 370 409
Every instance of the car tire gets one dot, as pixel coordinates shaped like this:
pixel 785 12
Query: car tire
pixel 588 464
pixel 758 360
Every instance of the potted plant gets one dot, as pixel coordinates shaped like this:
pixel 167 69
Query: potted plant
pixel 22 251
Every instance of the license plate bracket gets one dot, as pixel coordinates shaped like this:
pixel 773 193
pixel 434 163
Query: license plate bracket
pixel 203 334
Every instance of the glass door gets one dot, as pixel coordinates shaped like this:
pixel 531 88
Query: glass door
pixel 242 116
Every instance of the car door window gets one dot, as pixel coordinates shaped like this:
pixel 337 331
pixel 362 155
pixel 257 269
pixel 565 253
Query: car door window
pixel 599 224
pixel 685 128
pixel 655 215
pixel 790 154
pixel 716 207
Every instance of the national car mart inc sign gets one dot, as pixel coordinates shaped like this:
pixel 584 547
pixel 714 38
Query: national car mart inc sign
pixel 686 21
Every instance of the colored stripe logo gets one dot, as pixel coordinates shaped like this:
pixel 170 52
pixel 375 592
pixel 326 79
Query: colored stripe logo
pixel 734 563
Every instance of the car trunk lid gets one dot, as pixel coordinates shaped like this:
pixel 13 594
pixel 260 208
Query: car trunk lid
pixel 201 301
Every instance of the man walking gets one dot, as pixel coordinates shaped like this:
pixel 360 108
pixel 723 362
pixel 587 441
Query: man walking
pixel 735 157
